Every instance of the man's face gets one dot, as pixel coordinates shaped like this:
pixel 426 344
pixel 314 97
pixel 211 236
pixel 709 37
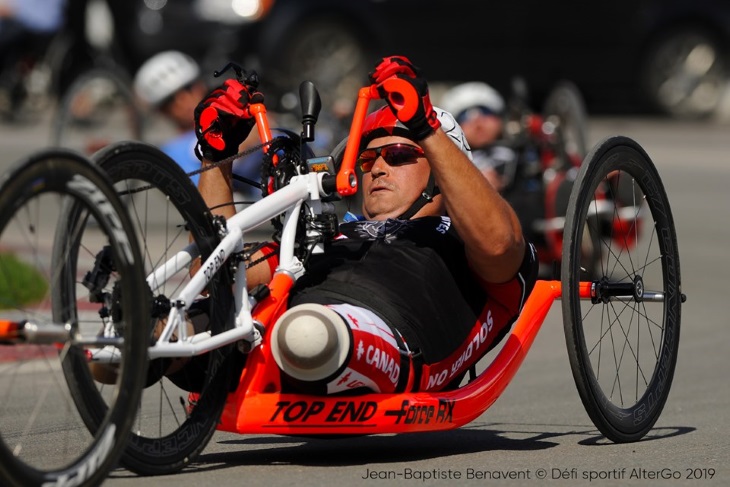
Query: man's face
pixel 389 190
pixel 181 108
pixel 482 130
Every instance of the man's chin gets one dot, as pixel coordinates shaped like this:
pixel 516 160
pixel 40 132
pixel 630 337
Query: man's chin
pixel 379 206
pixel 381 215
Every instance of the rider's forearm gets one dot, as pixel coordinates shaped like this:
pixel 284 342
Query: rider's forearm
pixel 215 188
pixel 484 220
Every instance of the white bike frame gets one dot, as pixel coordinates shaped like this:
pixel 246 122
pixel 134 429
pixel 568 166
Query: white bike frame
pixel 301 190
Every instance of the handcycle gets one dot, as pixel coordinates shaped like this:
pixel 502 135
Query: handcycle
pixel 624 317
pixel 550 147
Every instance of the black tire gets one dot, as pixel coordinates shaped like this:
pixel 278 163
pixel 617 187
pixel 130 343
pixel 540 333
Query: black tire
pixel 565 104
pixel 45 441
pixel 166 209
pixel 622 344
pixel 685 73
pixel 98 109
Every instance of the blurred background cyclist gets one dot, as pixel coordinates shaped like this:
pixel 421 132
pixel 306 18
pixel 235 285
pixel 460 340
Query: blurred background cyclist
pixel 171 84
pixel 26 26
pixel 479 109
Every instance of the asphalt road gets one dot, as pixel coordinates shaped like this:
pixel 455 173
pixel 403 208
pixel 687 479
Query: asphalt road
pixel 538 422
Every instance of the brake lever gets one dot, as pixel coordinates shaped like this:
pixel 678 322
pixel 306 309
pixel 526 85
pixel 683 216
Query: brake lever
pixel 250 80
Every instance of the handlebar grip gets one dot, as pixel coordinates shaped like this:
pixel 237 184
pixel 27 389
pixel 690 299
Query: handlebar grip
pixel 329 183
pixel 402 97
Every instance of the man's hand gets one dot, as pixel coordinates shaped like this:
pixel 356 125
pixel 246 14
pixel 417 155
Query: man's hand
pixel 400 83
pixel 223 121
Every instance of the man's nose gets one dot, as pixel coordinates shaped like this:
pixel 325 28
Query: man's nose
pixel 380 167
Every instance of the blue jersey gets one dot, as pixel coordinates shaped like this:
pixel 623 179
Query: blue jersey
pixel 182 150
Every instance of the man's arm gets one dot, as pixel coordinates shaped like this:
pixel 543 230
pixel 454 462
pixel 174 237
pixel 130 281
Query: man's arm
pixel 222 123
pixel 486 223
pixel 484 220
pixel 215 188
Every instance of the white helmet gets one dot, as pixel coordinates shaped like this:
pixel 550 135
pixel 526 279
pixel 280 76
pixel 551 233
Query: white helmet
pixel 453 130
pixel 162 75
pixel 471 95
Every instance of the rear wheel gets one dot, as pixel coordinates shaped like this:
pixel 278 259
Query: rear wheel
pixel 623 341
pixel 51 341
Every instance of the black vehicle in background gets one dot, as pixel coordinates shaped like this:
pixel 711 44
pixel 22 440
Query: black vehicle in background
pixel 625 55
pixel 669 56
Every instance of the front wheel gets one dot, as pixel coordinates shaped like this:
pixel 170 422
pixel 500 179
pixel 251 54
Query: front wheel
pixel 622 332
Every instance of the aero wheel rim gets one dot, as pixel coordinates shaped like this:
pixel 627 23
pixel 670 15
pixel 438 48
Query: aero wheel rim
pixel 623 339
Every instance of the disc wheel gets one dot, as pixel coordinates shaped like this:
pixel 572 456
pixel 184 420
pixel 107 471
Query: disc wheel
pixel 46 351
pixel 181 405
pixel 623 340
pixel 685 73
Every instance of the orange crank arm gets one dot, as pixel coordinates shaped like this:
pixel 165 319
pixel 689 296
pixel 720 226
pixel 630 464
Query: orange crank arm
pixel 346 177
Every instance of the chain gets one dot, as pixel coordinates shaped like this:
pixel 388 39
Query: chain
pixel 207 167
pixel 252 249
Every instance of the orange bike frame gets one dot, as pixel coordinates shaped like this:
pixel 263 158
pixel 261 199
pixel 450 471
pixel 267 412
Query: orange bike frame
pixel 257 407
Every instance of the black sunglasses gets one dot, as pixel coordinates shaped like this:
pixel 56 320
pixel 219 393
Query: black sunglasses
pixel 394 154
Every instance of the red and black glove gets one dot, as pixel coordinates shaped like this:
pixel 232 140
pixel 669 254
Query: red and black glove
pixel 400 83
pixel 222 119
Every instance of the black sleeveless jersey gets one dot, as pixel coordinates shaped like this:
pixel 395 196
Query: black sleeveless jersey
pixel 413 273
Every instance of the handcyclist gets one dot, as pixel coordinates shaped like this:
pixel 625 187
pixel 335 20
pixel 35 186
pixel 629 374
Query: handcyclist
pixel 479 110
pixel 414 293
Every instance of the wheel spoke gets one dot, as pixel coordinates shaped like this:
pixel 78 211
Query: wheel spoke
pixel 622 342
pixel 168 213
pixel 57 211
